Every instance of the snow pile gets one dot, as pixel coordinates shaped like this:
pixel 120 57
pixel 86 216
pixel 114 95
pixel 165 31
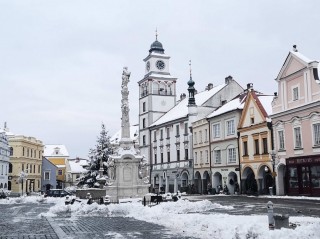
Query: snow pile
pixel 193 219
pixel 30 199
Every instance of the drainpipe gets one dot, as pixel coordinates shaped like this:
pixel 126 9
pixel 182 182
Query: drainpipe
pixel 150 160
pixel 210 151
pixel 238 141
pixel 269 125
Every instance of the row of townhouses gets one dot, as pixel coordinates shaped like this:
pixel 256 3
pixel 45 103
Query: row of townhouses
pixel 27 165
pixel 232 137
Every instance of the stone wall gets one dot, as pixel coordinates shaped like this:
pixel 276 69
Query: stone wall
pixel 95 193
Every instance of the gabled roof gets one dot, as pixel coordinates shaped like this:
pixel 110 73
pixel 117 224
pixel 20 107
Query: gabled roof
pixel 181 109
pixel 262 101
pixel 55 150
pixel 299 57
pixel 236 103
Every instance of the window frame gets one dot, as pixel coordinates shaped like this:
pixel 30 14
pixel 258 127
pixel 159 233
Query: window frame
pixel 316 137
pixel 230 127
pixel 297 140
pixel 216 131
pixel 281 140
pixel 232 155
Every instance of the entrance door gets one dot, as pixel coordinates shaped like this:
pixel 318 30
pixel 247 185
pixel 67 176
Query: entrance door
pixel 305 180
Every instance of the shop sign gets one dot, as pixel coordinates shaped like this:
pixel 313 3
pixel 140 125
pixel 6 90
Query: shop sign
pixel 302 160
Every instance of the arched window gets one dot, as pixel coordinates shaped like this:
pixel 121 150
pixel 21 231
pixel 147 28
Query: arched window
pixel 1 185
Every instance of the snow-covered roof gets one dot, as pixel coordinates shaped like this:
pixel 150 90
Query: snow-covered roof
pixel 302 57
pixel 266 102
pixel 76 165
pixel 181 109
pixel 55 150
pixel 60 166
pixel 234 104
pixel 134 134
pixel 155 75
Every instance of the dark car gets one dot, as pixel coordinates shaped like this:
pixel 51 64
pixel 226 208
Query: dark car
pixel 56 193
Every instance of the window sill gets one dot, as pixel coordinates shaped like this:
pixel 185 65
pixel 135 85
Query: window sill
pixel 298 148
pixel 281 150
pixel 316 147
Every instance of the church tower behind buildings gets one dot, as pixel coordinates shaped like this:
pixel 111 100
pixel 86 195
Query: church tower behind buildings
pixel 157 92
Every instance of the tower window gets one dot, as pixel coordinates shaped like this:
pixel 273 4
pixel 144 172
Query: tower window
pixel 143 122
pixel 144 140
pixel 144 106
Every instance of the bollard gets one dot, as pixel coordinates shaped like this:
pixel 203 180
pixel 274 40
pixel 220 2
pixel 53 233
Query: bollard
pixel 144 201
pixel 270 215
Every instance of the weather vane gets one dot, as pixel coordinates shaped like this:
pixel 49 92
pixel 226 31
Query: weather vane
pixel 156 34
pixel 190 68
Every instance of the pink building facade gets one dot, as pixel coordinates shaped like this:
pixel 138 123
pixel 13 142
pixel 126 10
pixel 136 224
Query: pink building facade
pixel 296 127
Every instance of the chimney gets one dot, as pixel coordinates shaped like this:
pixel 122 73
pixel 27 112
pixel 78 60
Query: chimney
pixel 295 48
pixel 228 79
pixel 249 86
pixel 182 96
pixel 210 86
pixel 275 93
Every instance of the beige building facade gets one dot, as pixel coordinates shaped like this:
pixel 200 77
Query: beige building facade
pixel 25 164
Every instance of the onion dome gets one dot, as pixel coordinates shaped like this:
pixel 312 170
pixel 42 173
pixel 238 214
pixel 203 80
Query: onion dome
pixel 156 47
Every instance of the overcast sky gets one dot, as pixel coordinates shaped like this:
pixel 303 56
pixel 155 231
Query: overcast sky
pixel 61 61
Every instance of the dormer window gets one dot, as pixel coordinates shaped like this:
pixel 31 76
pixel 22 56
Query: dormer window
pixel 56 150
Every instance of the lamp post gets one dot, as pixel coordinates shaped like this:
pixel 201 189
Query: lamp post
pixel 273 154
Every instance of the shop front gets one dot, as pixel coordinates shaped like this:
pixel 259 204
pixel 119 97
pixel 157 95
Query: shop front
pixel 303 175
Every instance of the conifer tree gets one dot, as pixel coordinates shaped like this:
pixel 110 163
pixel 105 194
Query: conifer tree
pixel 102 151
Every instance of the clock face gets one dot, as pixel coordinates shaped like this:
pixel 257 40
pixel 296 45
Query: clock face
pixel 148 66
pixel 160 65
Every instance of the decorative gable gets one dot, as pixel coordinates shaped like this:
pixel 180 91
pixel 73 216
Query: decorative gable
pixel 253 112
pixel 293 66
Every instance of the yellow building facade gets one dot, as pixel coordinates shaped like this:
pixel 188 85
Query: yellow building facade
pixel 25 164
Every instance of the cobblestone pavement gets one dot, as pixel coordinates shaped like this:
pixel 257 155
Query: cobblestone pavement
pixel 250 205
pixel 22 221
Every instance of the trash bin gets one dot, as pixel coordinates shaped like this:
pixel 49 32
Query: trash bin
pixel 281 220
pixel 271 191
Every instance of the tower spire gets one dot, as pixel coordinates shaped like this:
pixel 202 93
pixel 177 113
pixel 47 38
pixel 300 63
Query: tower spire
pixel 156 34
pixel 190 69
pixel 191 89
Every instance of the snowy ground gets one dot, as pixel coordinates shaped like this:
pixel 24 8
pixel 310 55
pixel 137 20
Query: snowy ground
pixel 185 217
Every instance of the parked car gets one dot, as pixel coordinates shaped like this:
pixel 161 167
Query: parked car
pixel 56 193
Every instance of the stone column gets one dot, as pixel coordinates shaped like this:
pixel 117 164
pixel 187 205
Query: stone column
pixel 167 184
pixel 175 185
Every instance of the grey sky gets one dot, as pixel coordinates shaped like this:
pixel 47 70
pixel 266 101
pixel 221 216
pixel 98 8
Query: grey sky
pixel 61 61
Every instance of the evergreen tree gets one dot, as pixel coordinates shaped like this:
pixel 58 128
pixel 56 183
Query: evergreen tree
pixel 102 151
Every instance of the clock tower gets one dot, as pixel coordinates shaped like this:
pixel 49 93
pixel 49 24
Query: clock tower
pixel 157 94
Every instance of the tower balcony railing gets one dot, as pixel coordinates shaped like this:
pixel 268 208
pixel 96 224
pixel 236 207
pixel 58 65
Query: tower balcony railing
pixel 162 92
pixel 144 93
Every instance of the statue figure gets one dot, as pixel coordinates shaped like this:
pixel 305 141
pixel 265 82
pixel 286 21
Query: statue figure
pixel 125 77
pixel 110 165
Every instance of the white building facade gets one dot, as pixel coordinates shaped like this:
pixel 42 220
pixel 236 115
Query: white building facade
pixel 4 161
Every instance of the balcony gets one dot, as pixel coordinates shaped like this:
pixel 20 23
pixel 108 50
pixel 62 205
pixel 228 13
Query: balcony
pixel 144 93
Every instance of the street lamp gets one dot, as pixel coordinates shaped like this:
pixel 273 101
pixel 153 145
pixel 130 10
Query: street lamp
pixel 273 154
